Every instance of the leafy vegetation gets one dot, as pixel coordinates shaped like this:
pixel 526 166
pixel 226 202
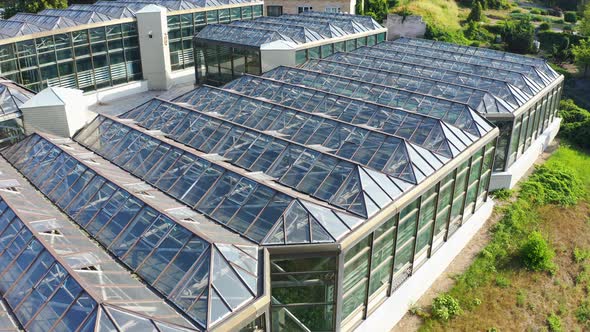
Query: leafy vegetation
pixel 502 194
pixel 445 307
pixel 536 253
pixel 31 6
pixel 575 125
pixel 581 54
pixel 522 251
pixel 519 36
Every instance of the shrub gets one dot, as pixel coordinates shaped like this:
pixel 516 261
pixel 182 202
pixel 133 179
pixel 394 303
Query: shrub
pixel 519 36
pixel 553 184
pixel 570 17
pixel 575 124
pixel 544 26
pixel 502 194
pixel 445 307
pixel 536 253
pixel 554 323
pixel 583 312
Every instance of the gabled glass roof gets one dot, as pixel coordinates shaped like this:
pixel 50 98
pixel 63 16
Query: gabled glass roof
pixel 249 203
pixel 80 16
pixel 111 11
pixel 334 114
pixel 456 114
pixel 238 34
pixel 326 29
pixel 168 4
pixel 541 64
pixel 12 96
pixel 366 21
pixel 518 79
pixel 529 71
pixel 298 29
pixel 45 22
pixel 10 29
pixel 310 165
pixel 165 243
pixel 40 248
pixel 499 88
pixel 478 99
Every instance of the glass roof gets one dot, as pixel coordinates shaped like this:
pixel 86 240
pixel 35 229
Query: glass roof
pixel 478 99
pixel 47 250
pixel 248 203
pixel 366 21
pixel 45 22
pixel 80 16
pixel 142 227
pixel 238 34
pixel 541 64
pixel 10 29
pixel 12 96
pixel 7 322
pixel 456 114
pixel 518 79
pixel 529 71
pixel 335 113
pixel 311 164
pixel 111 11
pixel 293 28
pixel 499 88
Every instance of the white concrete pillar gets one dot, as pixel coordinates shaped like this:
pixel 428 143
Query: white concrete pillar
pixel 152 26
pixel 57 111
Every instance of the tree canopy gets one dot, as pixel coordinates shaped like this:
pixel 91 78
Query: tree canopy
pixel 581 54
pixel 32 6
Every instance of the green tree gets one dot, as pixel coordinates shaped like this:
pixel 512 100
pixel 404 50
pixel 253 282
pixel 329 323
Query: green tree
pixel 31 6
pixel 377 9
pixel 585 22
pixel 519 36
pixel 476 14
pixel 581 54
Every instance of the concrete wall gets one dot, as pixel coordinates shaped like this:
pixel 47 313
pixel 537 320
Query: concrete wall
pixel 395 307
pixel 117 92
pixel 290 6
pixel 524 163
pixel 410 26
pixel 152 26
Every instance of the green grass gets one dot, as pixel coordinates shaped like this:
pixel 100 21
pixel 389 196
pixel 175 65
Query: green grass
pixel 443 14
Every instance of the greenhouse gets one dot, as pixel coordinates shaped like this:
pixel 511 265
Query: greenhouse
pixel 225 52
pixel 92 47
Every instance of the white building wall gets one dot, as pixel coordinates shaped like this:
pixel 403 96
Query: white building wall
pixel 152 26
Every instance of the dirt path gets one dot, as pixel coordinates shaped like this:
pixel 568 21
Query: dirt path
pixel 460 264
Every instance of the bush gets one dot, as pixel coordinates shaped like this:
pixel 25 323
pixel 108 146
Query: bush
pixel 570 17
pixel 536 253
pixel 502 194
pixel 555 184
pixel 544 26
pixel 519 36
pixel 445 307
pixel 575 126
pixel 554 323
pixel 583 312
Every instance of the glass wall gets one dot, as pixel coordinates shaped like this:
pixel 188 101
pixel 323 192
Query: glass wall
pixel 182 28
pixel 379 263
pixel 303 293
pixel 11 131
pixel 86 59
pixel 220 64
pixel 343 46
pixel 517 135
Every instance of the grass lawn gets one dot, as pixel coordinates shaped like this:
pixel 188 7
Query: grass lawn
pixel 444 14
pixel 498 294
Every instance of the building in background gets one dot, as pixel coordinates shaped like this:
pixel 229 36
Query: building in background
pixel 98 47
pixel 280 7
pixel 226 52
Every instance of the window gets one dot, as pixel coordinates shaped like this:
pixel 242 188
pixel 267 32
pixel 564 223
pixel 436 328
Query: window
pixel 332 10
pixel 302 9
pixel 274 10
